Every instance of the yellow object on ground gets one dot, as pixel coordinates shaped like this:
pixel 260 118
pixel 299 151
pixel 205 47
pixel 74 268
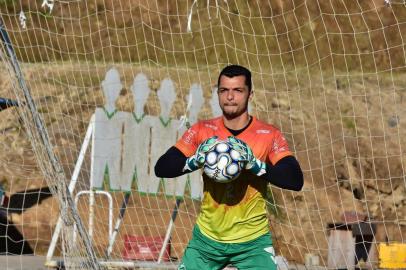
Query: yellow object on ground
pixel 392 255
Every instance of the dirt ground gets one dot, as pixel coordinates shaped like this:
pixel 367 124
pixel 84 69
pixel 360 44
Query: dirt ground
pixel 22 262
pixel 348 165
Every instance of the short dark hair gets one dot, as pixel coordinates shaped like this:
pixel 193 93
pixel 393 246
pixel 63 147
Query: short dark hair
pixel 236 70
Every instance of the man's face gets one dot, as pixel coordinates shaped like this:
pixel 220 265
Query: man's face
pixel 233 96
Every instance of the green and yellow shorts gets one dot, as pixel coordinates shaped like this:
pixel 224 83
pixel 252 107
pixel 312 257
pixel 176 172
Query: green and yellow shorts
pixel 203 253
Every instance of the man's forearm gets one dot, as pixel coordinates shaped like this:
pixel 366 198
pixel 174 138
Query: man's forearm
pixel 171 164
pixel 286 174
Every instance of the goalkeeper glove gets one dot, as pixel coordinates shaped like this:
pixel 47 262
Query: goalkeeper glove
pixel 252 164
pixel 197 160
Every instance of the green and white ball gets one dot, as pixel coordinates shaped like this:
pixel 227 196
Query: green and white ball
pixel 222 163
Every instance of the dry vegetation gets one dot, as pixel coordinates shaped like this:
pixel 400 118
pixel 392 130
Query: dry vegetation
pixel 346 35
pixel 332 83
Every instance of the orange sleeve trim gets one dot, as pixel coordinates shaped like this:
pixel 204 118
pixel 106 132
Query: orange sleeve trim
pixel 280 156
pixel 184 149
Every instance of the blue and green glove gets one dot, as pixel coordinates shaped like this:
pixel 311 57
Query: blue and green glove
pixel 252 164
pixel 196 161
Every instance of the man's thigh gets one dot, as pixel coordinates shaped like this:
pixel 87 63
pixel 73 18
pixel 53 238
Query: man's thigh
pixel 203 253
pixel 258 255
pixel 197 259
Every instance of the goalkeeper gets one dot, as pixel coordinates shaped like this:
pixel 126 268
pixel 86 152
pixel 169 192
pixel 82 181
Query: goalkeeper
pixel 232 227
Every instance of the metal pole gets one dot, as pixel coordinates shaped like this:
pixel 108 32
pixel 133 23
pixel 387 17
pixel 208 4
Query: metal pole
pixel 169 229
pixel 72 185
pixel 118 223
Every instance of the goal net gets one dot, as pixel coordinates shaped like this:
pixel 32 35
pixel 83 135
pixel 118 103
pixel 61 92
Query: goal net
pixel 93 92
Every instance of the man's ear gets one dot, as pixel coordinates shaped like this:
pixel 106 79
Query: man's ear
pixel 251 96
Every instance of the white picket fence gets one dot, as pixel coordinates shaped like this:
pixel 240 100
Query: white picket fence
pixel 126 146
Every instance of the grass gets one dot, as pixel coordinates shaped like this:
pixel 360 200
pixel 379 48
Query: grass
pixel 349 124
pixel 302 37
pixel 7 3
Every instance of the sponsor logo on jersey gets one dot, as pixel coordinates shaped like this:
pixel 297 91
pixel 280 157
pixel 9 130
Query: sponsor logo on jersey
pixel 189 136
pixel 263 131
pixel 211 126
pixel 277 149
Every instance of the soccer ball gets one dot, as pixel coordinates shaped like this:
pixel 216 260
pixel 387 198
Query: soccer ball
pixel 222 163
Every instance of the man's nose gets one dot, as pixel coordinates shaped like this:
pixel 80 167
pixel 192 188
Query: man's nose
pixel 230 95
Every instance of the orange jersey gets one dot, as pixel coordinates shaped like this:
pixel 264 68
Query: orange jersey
pixel 235 212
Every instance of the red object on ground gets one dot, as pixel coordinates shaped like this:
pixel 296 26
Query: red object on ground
pixel 144 248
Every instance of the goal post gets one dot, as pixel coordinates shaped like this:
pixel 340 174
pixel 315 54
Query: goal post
pixel 47 160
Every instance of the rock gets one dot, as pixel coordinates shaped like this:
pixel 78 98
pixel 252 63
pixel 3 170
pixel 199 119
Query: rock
pixel 393 121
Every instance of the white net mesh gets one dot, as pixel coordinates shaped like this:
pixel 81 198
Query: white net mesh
pixel 327 73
